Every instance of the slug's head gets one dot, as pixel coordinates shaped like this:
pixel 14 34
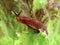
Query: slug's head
pixel 18 17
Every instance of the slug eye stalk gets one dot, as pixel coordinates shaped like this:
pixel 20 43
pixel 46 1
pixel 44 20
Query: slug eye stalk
pixel 17 14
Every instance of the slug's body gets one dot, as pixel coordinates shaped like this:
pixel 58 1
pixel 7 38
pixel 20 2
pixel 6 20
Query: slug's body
pixel 35 24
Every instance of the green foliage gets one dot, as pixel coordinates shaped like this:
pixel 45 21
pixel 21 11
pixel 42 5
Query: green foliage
pixel 58 1
pixel 6 41
pixel 14 33
pixel 37 4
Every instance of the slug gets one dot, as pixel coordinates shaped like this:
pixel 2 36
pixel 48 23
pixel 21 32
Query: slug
pixel 33 23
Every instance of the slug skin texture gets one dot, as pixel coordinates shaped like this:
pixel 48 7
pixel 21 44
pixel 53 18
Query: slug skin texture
pixel 35 24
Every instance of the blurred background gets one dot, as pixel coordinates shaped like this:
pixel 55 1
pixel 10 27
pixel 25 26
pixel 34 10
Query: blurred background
pixel 13 32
